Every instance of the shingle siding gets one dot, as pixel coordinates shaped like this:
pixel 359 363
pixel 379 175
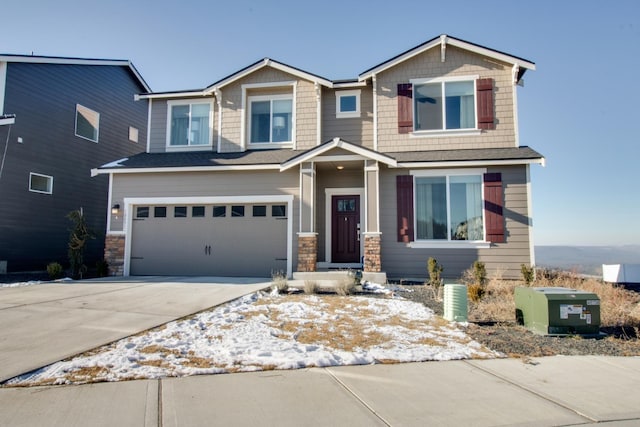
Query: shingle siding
pixel 357 130
pixel 33 226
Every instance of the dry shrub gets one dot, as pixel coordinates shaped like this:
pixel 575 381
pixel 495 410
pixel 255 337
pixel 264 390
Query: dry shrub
pixel 346 286
pixel 279 281
pixel 310 286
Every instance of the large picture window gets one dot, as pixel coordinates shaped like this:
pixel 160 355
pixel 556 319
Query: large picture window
pixel 449 207
pixel 189 124
pixel 444 105
pixel 270 119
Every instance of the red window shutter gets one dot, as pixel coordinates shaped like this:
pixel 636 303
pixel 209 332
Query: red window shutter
pixel 404 187
pixel 405 109
pixel 484 95
pixel 493 204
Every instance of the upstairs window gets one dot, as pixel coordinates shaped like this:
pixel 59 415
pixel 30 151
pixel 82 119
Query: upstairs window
pixel 87 123
pixel 444 105
pixel 271 119
pixel 348 104
pixel 189 124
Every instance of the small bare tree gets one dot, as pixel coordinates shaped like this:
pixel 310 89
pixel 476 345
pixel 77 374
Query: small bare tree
pixel 80 235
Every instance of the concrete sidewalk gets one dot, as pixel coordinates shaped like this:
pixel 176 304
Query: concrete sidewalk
pixel 550 391
pixel 45 323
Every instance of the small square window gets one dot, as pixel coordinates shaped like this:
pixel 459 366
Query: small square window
pixel 142 212
pixel 348 103
pixel 259 210
pixel 40 183
pixel 87 123
pixel 180 212
pixel 237 211
pixel 197 212
pixel 160 212
pixel 133 134
pixel 219 211
pixel 278 211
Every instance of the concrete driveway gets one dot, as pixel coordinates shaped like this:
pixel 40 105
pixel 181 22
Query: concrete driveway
pixel 42 324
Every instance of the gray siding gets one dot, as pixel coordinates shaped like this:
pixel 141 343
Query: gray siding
pixel 356 130
pixel 33 226
pixel 400 261
pixel 158 127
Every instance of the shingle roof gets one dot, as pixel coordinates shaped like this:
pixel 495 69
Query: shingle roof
pixel 279 156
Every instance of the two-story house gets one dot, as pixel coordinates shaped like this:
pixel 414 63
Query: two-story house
pixel 66 115
pixel 274 168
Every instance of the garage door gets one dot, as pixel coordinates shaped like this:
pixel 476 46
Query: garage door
pixel 242 240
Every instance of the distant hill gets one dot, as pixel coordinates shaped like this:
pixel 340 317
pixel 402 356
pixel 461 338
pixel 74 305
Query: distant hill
pixel 585 259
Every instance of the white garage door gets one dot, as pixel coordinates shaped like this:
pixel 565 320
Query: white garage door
pixel 242 240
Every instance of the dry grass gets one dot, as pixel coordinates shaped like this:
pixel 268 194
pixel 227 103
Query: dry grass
pixel 346 286
pixel 310 287
pixel 618 306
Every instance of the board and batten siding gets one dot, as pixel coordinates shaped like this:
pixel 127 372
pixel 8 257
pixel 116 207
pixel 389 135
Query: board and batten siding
pixel 357 130
pixel 458 62
pixel 504 259
pixel 34 226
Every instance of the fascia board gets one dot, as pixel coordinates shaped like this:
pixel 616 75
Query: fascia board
pixel 99 171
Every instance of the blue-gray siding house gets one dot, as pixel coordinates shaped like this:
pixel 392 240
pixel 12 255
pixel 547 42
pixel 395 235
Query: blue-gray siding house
pixel 70 114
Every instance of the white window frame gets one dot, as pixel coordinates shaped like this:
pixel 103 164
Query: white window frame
pixel 275 97
pixel 49 186
pixel 189 147
pixel 97 116
pixel 348 114
pixel 445 132
pixel 466 244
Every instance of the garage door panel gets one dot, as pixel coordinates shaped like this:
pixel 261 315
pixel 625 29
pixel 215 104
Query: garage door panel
pixel 221 246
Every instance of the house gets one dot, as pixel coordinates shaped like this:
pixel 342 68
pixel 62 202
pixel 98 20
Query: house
pixel 274 168
pixel 66 114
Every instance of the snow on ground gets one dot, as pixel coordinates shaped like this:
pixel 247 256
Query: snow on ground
pixel 262 332
pixel 32 282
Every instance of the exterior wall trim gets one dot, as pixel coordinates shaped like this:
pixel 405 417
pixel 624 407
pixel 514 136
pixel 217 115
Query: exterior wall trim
pixel 328 193
pixel 475 163
pixel 131 202
pixel 95 172
pixel 3 84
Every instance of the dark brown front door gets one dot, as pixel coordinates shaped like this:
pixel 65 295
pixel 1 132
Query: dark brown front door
pixel 345 240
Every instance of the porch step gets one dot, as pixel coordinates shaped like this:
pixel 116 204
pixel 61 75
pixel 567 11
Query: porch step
pixel 336 275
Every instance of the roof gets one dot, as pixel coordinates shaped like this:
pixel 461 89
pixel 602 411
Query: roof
pixel 7 119
pixel 442 41
pixel 282 159
pixel 60 60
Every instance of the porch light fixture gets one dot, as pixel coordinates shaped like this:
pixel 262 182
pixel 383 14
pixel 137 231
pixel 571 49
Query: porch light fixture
pixel 115 209
pixel 339 167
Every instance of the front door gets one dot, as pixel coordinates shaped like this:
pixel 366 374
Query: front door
pixel 345 229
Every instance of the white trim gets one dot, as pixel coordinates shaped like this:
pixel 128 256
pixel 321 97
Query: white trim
pixel 283 84
pixel 172 95
pixel 218 96
pixel 328 193
pixel 450 41
pixel 49 183
pixel 471 163
pixel 109 202
pixel 465 78
pixel 3 85
pixel 516 127
pixel 449 172
pixel 448 244
pixel 344 85
pixel 532 252
pixel 9 121
pixel 188 169
pixel 149 108
pixel 444 133
pixel 374 83
pixel 189 146
pixel 348 114
pixel 318 113
pixel 88 110
pixel 130 202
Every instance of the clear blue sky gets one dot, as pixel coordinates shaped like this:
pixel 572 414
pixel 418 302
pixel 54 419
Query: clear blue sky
pixel 580 108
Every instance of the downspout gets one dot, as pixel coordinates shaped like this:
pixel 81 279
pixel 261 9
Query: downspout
pixel 374 82
pixel 218 94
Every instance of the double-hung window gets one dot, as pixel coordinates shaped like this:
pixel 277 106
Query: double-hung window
pixel 271 119
pixel 449 207
pixel 188 124
pixel 444 104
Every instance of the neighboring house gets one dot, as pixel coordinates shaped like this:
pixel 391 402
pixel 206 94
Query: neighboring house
pixel 70 114
pixel 274 168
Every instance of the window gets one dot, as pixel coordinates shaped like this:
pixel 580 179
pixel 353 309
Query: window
pixel 259 210
pixel 444 105
pixel 237 210
pixel 189 124
pixel 87 123
pixel 40 183
pixel 160 212
pixel 180 212
pixel 142 212
pixel 449 207
pixel 279 211
pixel 270 119
pixel 348 103
pixel 133 134
pixel 219 211
pixel 197 211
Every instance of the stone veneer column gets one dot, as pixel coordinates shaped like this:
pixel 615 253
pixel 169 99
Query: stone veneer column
pixel 307 251
pixel 372 261
pixel 114 254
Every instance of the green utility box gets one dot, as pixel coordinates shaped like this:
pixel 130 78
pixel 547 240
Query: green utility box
pixel 558 311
